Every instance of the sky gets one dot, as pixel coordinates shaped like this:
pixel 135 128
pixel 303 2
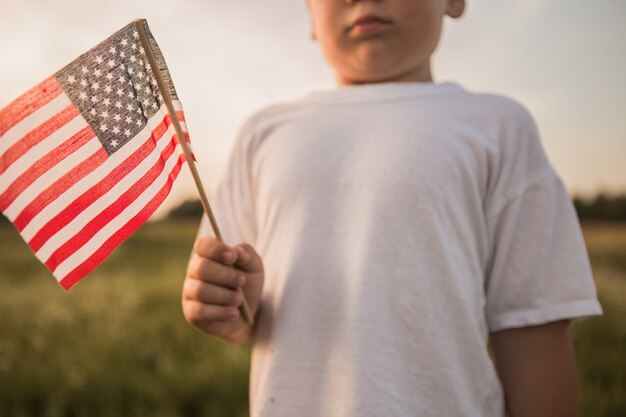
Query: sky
pixel 564 60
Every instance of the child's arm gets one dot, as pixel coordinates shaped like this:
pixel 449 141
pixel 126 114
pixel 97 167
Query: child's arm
pixel 538 371
pixel 210 297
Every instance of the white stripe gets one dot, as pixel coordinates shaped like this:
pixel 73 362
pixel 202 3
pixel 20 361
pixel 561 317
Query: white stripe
pixel 32 121
pixel 51 176
pixel 82 254
pixel 110 197
pixel 56 206
pixel 34 154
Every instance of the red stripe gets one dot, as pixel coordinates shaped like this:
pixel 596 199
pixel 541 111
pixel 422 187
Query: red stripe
pixel 37 135
pixel 112 211
pixel 122 234
pixel 59 187
pixel 43 165
pixel 97 190
pixel 28 103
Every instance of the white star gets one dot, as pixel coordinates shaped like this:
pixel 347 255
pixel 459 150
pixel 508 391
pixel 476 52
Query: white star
pixel 120 92
pixel 122 54
pixel 98 59
pixel 135 34
pixel 95 86
pixel 138 122
pixel 94 99
pixel 83 83
pixel 118 104
pixel 134 46
pixel 116 130
pixel 97 72
pixel 128 120
pixel 122 67
pixel 132 58
pixel 124 42
pixel 147 89
pixel 117 117
pixel 104 127
pixel 106 102
pixel 84 69
pixel 82 95
pixel 104 114
pixel 114 141
pixel 154 105
pixel 71 79
pixel 112 50
pixel 111 63
pixel 131 95
pixel 108 89
pixel 110 76
pixel 143 51
pixel 121 79
pixel 137 86
pixel 131 71
pixel 129 107
pixel 140 75
pixel 127 132
pixel 92 112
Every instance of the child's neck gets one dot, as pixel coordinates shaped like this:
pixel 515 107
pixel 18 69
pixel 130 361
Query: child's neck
pixel 418 74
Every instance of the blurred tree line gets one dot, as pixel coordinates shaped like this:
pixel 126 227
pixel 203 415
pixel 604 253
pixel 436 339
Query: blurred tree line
pixel 601 207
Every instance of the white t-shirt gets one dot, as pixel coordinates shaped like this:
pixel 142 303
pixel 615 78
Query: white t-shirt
pixel 399 224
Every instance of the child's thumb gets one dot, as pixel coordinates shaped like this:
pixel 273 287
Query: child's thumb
pixel 247 258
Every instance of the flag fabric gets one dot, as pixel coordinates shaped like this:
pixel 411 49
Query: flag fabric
pixel 89 154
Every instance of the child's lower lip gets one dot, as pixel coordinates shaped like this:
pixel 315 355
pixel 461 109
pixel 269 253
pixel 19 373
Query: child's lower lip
pixel 368 27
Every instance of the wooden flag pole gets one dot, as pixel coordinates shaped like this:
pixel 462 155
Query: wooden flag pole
pixel 245 309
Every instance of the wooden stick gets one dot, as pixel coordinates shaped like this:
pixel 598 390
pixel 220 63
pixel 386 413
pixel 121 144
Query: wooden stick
pixel 167 99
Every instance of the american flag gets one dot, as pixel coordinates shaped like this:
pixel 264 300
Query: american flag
pixel 89 154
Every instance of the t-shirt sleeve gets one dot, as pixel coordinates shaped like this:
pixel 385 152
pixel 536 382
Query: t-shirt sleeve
pixel 231 199
pixel 539 268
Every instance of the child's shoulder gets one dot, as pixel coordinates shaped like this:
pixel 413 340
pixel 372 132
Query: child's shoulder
pixel 272 114
pixel 495 105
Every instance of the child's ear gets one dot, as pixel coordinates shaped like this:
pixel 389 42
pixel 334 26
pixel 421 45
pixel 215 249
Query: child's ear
pixel 311 21
pixel 455 8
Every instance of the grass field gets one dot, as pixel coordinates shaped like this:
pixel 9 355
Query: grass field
pixel 117 344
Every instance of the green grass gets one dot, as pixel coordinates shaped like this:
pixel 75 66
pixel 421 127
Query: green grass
pixel 601 342
pixel 118 345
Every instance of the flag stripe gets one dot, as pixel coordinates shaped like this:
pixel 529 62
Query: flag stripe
pixel 38 134
pixel 27 104
pixel 45 146
pixel 100 173
pixel 43 165
pixel 118 237
pixel 80 255
pixel 64 183
pixel 44 113
pixel 110 185
pixel 105 216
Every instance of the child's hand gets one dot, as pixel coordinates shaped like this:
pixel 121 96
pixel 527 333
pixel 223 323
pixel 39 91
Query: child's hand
pixel 210 297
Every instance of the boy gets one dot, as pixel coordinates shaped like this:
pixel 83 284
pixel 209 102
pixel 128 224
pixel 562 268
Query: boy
pixel 398 225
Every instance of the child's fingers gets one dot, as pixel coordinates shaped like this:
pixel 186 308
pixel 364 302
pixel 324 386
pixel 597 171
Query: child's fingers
pixel 210 247
pixel 201 315
pixel 206 293
pixel 213 272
